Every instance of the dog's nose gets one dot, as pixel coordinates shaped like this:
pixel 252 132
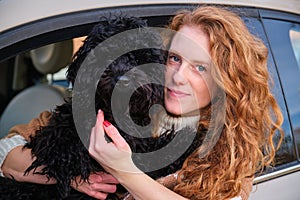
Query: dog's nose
pixel 124 80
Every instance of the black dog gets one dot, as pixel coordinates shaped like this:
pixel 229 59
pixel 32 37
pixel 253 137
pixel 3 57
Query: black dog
pixel 58 146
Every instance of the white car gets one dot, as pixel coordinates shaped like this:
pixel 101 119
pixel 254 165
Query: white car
pixel 39 37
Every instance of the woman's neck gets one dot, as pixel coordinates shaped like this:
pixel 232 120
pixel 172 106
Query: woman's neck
pixel 165 122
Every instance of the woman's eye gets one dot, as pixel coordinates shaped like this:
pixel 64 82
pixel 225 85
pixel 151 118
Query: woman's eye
pixel 200 68
pixel 174 58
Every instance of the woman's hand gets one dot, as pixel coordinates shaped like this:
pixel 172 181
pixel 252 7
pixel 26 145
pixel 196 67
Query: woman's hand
pixel 20 158
pixel 114 155
pixel 98 186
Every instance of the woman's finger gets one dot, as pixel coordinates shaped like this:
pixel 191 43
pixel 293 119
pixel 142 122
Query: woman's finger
pixel 97 134
pixel 102 177
pixel 115 136
pixel 99 123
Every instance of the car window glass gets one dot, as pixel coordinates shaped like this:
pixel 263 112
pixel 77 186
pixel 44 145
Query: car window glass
pixel 283 53
pixel 295 40
pixel 277 45
pixel 59 77
pixel 295 107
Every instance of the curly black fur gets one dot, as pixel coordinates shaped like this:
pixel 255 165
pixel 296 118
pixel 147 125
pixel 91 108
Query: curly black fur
pixel 58 147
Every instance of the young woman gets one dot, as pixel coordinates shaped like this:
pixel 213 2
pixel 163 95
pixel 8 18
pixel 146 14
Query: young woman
pixel 212 52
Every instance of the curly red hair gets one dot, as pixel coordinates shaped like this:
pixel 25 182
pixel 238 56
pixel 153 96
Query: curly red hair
pixel 252 115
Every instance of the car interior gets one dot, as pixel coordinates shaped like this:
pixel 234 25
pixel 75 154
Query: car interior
pixel 32 68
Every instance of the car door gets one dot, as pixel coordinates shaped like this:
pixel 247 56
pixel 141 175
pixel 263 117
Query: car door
pixel 283 35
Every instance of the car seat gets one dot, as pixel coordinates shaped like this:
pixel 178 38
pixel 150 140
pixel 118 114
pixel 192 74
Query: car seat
pixel 31 101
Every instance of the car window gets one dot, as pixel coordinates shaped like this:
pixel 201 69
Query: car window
pixel 59 78
pixel 295 111
pixel 286 153
pixel 284 50
pixel 295 41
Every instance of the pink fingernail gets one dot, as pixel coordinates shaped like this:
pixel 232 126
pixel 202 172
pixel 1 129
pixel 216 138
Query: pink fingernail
pixel 106 123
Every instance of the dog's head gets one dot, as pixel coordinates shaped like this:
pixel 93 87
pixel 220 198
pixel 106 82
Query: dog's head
pixel 126 89
pixel 126 82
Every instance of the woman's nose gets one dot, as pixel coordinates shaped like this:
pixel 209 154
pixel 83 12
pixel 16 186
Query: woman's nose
pixel 179 76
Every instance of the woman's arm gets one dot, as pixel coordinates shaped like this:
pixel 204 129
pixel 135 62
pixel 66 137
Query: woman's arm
pixel 141 186
pixel 115 157
pixel 15 164
pixel 15 159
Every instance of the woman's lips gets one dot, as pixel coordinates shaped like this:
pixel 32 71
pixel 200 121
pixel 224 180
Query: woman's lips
pixel 177 93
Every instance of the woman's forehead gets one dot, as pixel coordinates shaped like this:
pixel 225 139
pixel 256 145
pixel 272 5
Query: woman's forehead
pixel 191 44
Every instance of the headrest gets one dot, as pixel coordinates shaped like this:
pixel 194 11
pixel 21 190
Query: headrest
pixel 30 106
pixel 51 58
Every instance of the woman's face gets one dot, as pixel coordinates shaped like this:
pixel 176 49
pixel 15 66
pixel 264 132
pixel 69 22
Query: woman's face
pixel 188 81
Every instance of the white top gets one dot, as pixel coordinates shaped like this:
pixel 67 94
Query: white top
pixel 6 145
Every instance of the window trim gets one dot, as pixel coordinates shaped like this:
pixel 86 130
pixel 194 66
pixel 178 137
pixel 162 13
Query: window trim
pixel 40 32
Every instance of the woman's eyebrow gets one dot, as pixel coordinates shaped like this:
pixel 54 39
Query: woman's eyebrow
pixel 200 59
pixel 206 62
pixel 173 52
pixel 192 60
